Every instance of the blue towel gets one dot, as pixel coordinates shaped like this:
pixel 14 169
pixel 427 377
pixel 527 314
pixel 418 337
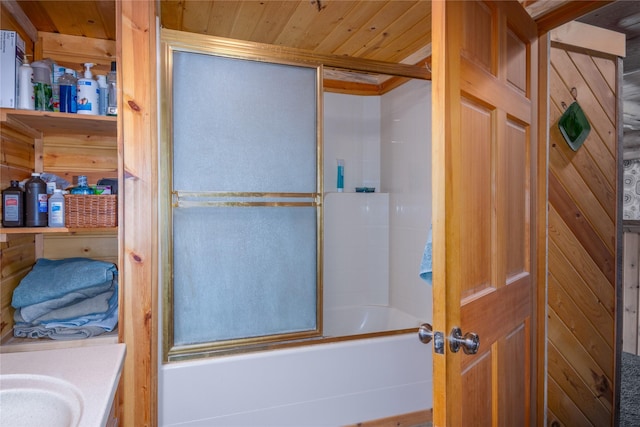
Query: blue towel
pixel 79 328
pixel 51 279
pixel 41 313
pixel 34 311
pixel 426 265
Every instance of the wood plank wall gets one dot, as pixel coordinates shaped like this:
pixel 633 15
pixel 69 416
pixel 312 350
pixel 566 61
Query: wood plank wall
pixel 582 242
pixel 631 290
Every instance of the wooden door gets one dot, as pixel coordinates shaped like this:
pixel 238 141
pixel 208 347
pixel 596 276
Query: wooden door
pixel 485 133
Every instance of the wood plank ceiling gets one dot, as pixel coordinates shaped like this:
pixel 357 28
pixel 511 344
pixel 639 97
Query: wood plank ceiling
pixel 396 31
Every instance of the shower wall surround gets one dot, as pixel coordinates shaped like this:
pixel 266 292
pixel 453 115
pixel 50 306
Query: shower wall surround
pixel 385 142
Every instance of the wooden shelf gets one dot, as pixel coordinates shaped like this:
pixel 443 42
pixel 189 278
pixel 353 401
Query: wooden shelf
pixel 51 230
pixel 11 344
pixel 53 123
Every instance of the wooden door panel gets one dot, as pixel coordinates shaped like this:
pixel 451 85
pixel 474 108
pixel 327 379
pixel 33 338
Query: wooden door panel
pixel 514 185
pixel 517 63
pixel 513 388
pixel 477 400
pixel 477 180
pixel 484 112
pixel 478 35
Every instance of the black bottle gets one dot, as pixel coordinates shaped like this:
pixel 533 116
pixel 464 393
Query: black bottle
pixel 13 206
pixel 35 202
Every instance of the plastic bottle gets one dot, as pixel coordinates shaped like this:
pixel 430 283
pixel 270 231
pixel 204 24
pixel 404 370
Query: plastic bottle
pixel 112 98
pixel 340 179
pixel 83 187
pixel 88 92
pixel 103 94
pixel 58 72
pixel 56 209
pixel 68 92
pixel 26 98
pixel 35 202
pixel 13 206
pixel 42 89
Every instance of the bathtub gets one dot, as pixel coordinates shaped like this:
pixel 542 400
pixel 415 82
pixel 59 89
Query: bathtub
pixel 329 384
pixel 365 319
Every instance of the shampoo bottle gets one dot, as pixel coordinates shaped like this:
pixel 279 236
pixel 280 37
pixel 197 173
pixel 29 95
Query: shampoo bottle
pixel 88 92
pixel 26 99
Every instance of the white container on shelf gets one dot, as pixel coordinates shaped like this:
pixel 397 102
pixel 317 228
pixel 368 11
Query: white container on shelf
pixel 88 92
pixel 56 209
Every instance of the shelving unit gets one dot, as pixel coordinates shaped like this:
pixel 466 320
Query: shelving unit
pixel 66 145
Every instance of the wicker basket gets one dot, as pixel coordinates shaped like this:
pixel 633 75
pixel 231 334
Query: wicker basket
pixel 90 211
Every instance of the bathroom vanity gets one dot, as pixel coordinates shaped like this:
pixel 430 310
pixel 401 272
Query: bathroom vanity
pixel 70 387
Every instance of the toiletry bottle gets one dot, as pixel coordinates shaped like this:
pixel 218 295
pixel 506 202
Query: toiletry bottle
pixel 35 202
pixel 340 181
pixel 83 187
pixel 56 209
pixel 103 92
pixel 68 92
pixel 88 92
pixel 58 72
pixel 112 98
pixel 26 99
pixel 42 89
pixel 13 206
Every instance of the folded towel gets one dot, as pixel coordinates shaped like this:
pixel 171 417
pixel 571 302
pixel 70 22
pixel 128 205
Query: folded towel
pixel 50 279
pixel 34 311
pixel 426 265
pixel 70 330
pixel 97 305
pixel 57 333
pixel 107 321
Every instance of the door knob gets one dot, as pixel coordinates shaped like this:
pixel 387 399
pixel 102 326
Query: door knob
pixel 426 334
pixel 470 342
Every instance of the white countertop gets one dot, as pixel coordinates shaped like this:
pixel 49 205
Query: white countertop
pixel 94 370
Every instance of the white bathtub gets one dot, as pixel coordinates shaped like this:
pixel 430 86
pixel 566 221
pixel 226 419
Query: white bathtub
pixel 365 319
pixel 330 384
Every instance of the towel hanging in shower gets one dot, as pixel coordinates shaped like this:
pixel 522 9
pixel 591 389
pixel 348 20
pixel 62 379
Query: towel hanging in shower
pixel 426 263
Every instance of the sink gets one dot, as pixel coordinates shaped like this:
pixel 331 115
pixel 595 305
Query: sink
pixel 37 400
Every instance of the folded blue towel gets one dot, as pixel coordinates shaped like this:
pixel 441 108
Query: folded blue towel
pixel 72 329
pixel 51 279
pixel 34 311
pixel 426 265
pixel 107 322
pixel 38 313
pixel 81 332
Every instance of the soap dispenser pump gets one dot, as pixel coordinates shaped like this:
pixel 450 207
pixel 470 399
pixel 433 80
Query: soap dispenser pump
pixel 88 92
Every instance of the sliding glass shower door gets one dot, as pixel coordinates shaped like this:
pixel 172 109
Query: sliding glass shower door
pixel 244 182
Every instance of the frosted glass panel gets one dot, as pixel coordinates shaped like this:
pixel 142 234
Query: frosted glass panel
pixel 242 125
pixel 243 272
